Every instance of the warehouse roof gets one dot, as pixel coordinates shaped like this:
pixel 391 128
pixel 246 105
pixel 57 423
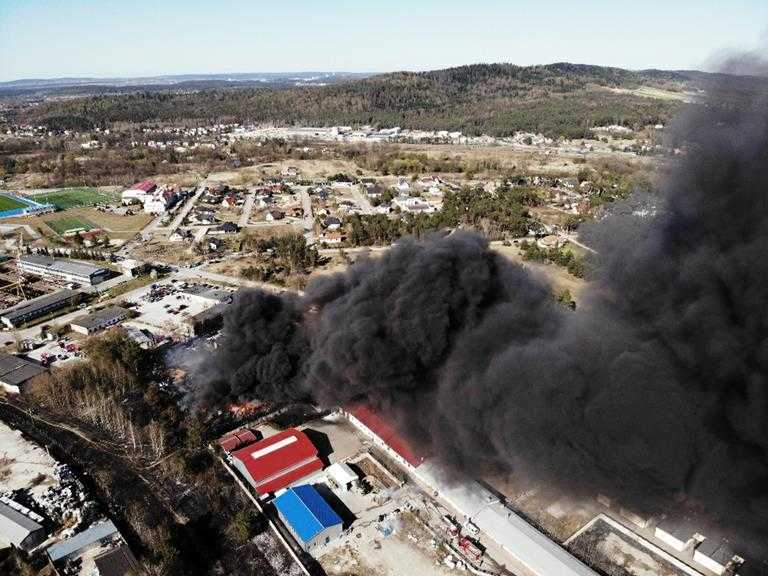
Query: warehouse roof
pixel 306 511
pixel 280 460
pixel 719 549
pixel 75 267
pixel 516 536
pixel 117 561
pixel 15 526
pixel 96 532
pixel 387 433
pixel 27 307
pixel 100 317
pixel 15 370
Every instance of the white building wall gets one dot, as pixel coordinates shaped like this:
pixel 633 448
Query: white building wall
pixel 670 540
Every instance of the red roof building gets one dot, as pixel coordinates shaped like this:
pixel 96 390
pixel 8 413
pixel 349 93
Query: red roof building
pixel 237 439
pixel 145 186
pixel 278 461
pixel 383 430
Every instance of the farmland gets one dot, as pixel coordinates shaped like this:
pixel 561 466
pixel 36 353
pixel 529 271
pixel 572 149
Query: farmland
pixel 75 197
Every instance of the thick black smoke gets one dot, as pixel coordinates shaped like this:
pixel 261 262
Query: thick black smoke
pixel 655 390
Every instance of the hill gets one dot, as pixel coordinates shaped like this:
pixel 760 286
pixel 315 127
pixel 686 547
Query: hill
pixel 499 99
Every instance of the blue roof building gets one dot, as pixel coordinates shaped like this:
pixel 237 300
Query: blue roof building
pixel 308 516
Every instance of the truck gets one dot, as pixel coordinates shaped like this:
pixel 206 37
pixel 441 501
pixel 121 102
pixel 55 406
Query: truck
pixel 471 547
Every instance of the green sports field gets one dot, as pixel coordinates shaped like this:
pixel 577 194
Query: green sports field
pixel 67 223
pixel 75 197
pixel 9 203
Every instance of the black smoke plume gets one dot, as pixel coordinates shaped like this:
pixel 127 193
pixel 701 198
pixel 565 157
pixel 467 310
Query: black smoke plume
pixel 654 390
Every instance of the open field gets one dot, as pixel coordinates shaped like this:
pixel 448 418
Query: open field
pixel 9 203
pixel 67 224
pixel 76 197
pixel 116 226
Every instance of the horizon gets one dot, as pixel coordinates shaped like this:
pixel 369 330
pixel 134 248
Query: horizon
pixel 704 69
pixel 143 40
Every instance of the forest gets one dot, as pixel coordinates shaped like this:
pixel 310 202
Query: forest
pixel 558 100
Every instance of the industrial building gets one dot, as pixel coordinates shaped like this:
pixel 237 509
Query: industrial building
pixel 19 527
pixel 716 554
pixel 28 310
pixel 677 532
pixel 278 461
pixel 62 269
pixel 308 516
pixel 15 372
pixel 99 546
pixel 476 504
pixel 100 320
pixel 384 435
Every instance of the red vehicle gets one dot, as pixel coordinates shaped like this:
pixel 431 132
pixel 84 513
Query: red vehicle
pixel 451 526
pixel 471 547
pixel 72 347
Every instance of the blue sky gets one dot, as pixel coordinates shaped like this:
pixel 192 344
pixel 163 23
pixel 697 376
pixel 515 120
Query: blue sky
pixel 50 38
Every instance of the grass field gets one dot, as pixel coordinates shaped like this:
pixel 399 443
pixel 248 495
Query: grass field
pixel 9 203
pixel 65 223
pixel 75 197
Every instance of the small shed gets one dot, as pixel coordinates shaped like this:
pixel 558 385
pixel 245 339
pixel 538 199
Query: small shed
pixel 343 475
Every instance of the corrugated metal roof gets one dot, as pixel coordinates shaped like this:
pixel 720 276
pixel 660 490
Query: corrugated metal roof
pixel 387 433
pixel 100 317
pixel 26 307
pixel 515 535
pixel 14 526
pixel 90 536
pixel 76 267
pixel 15 370
pixel 306 511
pixel 278 461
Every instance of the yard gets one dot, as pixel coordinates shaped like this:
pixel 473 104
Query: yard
pixel 76 197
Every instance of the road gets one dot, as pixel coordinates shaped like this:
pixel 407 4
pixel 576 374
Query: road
pixel 309 219
pixel 361 199
pixel 187 208
pixel 245 215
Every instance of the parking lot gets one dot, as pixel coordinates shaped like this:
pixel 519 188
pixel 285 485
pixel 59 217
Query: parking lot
pixel 164 308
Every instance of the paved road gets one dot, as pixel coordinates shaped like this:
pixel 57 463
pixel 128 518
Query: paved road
pixel 245 216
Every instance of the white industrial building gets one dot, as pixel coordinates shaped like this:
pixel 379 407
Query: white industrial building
pixel 19 526
pixel 62 269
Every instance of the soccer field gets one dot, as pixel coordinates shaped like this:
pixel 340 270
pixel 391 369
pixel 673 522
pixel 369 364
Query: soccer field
pixel 75 197
pixel 9 203
pixel 67 223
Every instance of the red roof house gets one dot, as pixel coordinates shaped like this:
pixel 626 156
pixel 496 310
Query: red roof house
pixel 278 461
pixel 384 431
